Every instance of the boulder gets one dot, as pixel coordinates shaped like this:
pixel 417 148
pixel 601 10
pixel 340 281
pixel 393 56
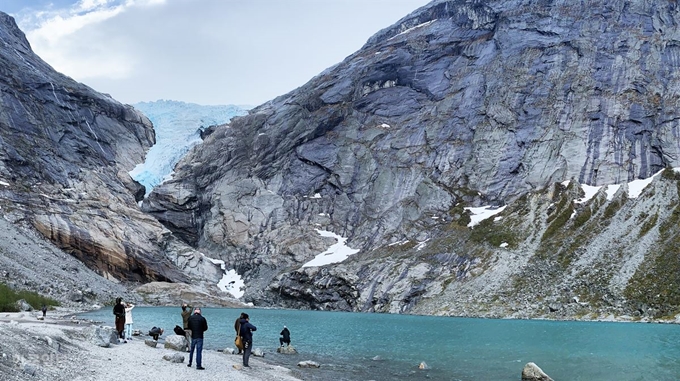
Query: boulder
pixel 287 350
pixel 176 342
pixel 151 343
pixel 175 358
pixel 23 305
pixel 76 296
pixel 308 364
pixel 103 336
pixel 532 372
pixel 423 365
pixel 229 351
pixel 258 352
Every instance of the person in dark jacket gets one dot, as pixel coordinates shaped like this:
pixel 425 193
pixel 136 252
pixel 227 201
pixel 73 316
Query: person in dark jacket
pixel 247 337
pixel 197 324
pixel 237 328
pixel 154 332
pixel 119 312
pixel 286 336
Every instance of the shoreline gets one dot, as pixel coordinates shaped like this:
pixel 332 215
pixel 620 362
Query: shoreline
pixel 59 348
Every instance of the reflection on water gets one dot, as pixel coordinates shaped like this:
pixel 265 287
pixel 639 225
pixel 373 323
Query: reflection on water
pixel 354 346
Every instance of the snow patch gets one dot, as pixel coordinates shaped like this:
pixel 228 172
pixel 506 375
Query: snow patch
pixel 611 191
pixel 636 187
pixel 335 254
pixel 482 213
pixel 231 282
pixel 590 192
pixel 400 243
pixel 416 27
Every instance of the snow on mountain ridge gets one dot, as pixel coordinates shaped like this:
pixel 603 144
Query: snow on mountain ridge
pixel 178 126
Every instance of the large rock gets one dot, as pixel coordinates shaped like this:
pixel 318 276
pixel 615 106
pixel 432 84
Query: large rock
pixel 287 350
pixel 174 358
pixel 151 343
pixel 308 364
pixel 176 342
pixel 23 305
pixel 103 336
pixel 532 372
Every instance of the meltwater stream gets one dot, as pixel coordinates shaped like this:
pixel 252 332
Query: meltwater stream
pixel 356 346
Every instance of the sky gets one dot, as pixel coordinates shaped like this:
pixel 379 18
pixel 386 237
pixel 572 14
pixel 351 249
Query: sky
pixel 208 52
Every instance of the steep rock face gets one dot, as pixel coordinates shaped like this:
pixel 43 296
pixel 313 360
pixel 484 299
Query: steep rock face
pixel 459 103
pixel 65 151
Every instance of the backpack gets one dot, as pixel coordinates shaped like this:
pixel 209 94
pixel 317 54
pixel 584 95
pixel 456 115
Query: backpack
pixel 179 331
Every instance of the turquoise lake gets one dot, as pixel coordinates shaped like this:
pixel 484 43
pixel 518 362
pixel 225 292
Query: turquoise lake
pixel 465 349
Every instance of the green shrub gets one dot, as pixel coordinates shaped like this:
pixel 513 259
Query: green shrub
pixel 9 298
pixel 648 225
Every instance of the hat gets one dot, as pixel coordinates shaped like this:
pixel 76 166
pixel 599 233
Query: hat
pixel 284 326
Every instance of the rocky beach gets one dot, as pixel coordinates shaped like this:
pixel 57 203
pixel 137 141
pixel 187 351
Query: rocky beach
pixel 62 347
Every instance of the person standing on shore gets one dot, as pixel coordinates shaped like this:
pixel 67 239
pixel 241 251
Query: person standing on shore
pixel 247 337
pixel 197 325
pixel 237 328
pixel 186 313
pixel 119 312
pixel 128 321
pixel 44 311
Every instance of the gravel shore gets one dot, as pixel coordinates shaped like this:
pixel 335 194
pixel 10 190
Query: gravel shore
pixel 59 349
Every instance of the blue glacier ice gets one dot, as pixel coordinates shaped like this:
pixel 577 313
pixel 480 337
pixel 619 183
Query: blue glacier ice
pixel 178 127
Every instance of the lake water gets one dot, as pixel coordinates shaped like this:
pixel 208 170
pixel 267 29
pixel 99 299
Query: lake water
pixel 345 344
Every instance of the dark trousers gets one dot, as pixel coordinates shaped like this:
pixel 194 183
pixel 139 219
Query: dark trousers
pixel 198 345
pixel 247 347
pixel 120 325
pixel 282 340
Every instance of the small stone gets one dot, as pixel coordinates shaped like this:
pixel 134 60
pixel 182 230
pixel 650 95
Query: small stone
pixel 308 364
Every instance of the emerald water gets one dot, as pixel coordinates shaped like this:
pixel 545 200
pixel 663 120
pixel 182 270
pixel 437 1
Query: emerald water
pixel 346 345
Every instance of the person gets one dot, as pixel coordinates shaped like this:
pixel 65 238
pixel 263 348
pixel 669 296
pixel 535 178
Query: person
pixel 247 337
pixel 237 328
pixel 155 332
pixel 197 325
pixel 44 310
pixel 186 313
pixel 286 336
pixel 128 321
pixel 119 312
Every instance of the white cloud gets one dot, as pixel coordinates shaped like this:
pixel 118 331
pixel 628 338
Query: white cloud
pixel 207 52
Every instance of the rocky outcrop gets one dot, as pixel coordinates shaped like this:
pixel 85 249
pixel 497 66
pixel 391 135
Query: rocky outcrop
pixel 458 104
pixel 532 372
pixel 65 154
pixel 174 294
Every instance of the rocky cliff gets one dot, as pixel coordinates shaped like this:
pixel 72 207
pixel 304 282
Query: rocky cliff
pixel 65 154
pixel 460 103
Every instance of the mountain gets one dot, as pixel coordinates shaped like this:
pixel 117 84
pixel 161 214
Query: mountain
pixel 178 127
pixel 65 156
pixel 459 104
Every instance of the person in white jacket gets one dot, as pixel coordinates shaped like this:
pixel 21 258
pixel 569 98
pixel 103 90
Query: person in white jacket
pixel 128 321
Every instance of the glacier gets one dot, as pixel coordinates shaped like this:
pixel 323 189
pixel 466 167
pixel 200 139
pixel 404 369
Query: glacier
pixel 178 127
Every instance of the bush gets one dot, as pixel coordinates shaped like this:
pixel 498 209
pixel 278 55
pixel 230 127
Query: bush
pixel 9 298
